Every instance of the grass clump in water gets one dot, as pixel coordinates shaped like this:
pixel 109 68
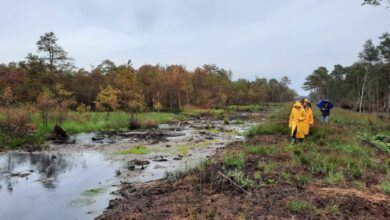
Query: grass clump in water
pixel 93 192
pixel 85 201
pixel 135 150
pixel 183 149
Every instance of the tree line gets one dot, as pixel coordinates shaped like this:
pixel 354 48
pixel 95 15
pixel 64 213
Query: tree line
pixel 49 78
pixel 363 86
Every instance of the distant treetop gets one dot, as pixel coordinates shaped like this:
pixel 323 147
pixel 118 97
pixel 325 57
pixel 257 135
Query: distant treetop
pixel 374 2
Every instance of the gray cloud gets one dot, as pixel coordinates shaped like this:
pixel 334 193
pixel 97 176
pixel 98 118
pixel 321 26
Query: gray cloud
pixel 252 38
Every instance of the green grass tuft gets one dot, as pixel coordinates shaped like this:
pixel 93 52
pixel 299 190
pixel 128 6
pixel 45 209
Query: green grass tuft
pixel 297 206
pixel 259 150
pixel 85 122
pixel 304 180
pixel 183 149
pixel 234 160
pixel 267 167
pixel 93 192
pixel 241 179
pixel 386 187
pixel 333 209
pixel 334 178
pixel 135 150
pixel 267 129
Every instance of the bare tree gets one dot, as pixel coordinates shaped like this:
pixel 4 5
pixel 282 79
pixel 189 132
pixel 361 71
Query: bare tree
pixel 54 54
pixel 369 56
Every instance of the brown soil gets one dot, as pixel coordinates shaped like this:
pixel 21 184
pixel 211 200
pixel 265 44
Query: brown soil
pixel 207 195
pixel 268 139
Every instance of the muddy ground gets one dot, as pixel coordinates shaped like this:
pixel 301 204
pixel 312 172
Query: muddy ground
pixel 205 194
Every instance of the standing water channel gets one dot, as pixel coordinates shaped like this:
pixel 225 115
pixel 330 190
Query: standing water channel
pixel 76 181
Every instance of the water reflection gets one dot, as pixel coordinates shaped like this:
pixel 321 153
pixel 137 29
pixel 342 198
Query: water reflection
pixel 47 166
pixel 44 185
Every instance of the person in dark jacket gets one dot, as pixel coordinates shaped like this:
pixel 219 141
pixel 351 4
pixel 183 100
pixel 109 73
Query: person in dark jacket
pixel 325 111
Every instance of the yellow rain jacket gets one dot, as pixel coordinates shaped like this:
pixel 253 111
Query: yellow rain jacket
pixel 309 120
pixel 297 121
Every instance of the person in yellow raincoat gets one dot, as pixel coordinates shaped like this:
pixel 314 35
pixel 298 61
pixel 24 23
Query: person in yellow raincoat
pixel 297 122
pixel 309 120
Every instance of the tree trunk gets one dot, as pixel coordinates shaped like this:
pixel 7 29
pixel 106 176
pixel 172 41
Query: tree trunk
pixel 51 59
pixel 107 115
pixel 46 116
pixel 170 100
pixel 362 93
pixel 388 104
pixel 179 98
pixel 187 98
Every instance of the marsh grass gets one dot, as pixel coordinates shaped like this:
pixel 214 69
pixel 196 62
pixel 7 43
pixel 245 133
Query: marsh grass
pixel 334 178
pixel 246 108
pixel 298 206
pixel 386 187
pixel 285 176
pixel 333 209
pixel 192 111
pixel 139 150
pixel 93 192
pixel 189 171
pixel 260 150
pixel 267 167
pixel 14 142
pixel 85 122
pixel 380 140
pixel 349 148
pixel 241 179
pixel 257 175
pixel 386 166
pixel 95 121
pixel 267 129
pixel 234 160
pixel 304 180
pixel 183 149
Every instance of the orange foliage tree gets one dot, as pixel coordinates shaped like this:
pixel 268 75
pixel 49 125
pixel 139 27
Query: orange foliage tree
pixel 107 100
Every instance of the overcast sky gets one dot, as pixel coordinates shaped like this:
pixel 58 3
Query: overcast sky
pixel 253 38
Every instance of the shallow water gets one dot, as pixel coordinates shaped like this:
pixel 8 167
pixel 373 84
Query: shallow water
pixel 51 185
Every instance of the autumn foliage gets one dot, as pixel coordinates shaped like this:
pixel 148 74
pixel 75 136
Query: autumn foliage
pixel 52 84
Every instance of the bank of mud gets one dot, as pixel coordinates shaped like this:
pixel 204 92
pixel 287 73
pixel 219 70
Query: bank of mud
pixel 205 194
pixel 275 182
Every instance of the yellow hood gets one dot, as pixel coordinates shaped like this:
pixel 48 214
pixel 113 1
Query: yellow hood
pixel 297 103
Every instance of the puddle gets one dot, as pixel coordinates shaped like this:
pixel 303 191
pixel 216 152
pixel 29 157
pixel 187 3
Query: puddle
pixel 51 185
pixel 87 138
